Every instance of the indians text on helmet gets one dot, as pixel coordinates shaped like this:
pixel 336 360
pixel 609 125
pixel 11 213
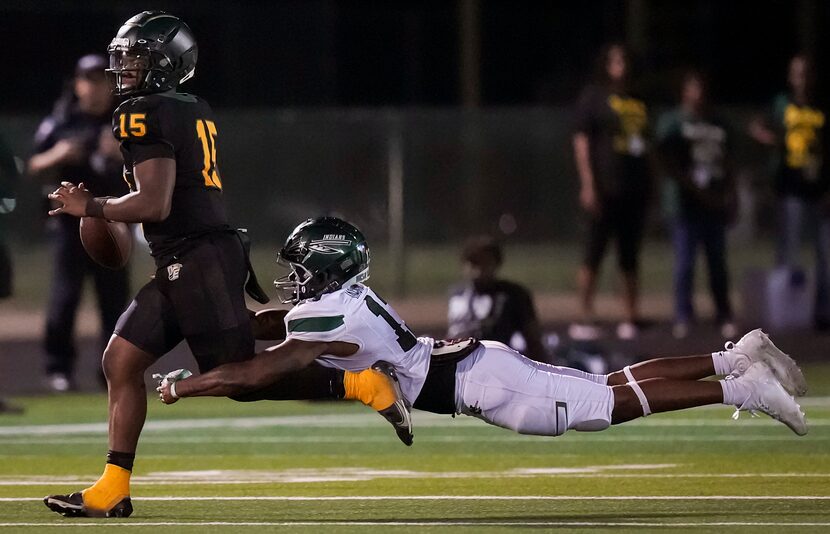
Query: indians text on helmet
pixel 327 244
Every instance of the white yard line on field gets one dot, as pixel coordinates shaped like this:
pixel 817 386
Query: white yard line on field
pixel 315 498
pixel 506 438
pixel 352 421
pixel 337 474
pixel 553 524
pixel 215 477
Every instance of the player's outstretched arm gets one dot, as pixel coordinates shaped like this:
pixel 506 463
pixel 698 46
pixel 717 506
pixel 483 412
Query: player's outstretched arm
pixel 150 202
pixel 262 370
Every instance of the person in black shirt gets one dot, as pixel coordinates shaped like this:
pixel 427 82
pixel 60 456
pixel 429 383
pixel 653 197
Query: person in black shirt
pixel 9 176
pixel 610 148
pixel 487 307
pixel 169 143
pixel 694 146
pixel 69 145
pixel 8 187
pixel 797 132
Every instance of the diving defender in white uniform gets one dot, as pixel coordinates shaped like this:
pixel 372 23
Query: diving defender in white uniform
pixel 340 322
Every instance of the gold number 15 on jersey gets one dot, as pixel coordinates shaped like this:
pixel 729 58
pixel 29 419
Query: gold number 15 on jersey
pixel 132 124
pixel 206 130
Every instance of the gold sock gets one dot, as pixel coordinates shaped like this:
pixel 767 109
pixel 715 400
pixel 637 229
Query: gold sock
pixel 108 491
pixel 370 387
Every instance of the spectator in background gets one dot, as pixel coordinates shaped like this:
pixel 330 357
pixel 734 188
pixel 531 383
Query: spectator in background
pixel 796 130
pixel 8 191
pixel 487 307
pixel 694 147
pixel 609 145
pixel 75 143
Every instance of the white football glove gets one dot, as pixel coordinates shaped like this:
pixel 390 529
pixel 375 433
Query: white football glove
pixel 169 380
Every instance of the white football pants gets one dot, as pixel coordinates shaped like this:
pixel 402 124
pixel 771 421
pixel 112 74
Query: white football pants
pixel 502 387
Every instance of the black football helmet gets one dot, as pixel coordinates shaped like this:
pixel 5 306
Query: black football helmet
pixel 324 255
pixel 151 53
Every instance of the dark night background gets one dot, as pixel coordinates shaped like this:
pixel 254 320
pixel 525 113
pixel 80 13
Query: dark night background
pixel 423 122
pixel 393 53
pixel 478 93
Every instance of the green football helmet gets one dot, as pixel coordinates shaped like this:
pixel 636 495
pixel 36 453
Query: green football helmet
pixel 152 52
pixel 323 255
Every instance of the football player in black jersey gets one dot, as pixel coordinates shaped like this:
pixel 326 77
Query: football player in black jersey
pixel 168 141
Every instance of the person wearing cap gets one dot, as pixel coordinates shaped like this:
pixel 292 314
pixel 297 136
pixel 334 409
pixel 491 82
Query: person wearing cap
pixel 74 143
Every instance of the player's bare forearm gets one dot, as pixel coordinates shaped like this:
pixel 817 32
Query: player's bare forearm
pixel 155 180
pixel 223 381
pixel 131 208
pixel 262 370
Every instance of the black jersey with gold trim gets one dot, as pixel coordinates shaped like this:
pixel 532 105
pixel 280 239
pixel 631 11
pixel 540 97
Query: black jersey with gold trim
pixel 181 127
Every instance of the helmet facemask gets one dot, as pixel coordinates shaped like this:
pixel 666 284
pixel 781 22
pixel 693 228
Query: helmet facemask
pixel 145 70
pixel 293 285
pixel 129 70
pixel 302 284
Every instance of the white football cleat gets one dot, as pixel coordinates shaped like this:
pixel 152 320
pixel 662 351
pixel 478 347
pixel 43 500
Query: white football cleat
pixel 767 395
pixel 756 346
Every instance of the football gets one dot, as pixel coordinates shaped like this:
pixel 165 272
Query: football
pixel 108 243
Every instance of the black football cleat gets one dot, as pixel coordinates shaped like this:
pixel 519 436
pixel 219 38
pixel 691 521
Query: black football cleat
pixel 72 505
pixel 398 414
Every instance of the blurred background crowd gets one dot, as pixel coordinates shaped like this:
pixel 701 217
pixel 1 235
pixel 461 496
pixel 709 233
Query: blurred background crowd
pixel 460 135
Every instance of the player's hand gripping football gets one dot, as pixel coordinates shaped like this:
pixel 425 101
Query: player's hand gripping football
pixel 73 199
pixel 167 384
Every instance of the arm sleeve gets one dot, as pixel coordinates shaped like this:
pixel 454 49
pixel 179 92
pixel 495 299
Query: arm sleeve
pixel 315 325
pixel 144 151
pixel 143 131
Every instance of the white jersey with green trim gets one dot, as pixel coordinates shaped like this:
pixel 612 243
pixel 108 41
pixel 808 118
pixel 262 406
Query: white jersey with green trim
pixel 357 315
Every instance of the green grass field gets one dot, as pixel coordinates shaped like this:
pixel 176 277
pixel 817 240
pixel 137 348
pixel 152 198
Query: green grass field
pixel 212 465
